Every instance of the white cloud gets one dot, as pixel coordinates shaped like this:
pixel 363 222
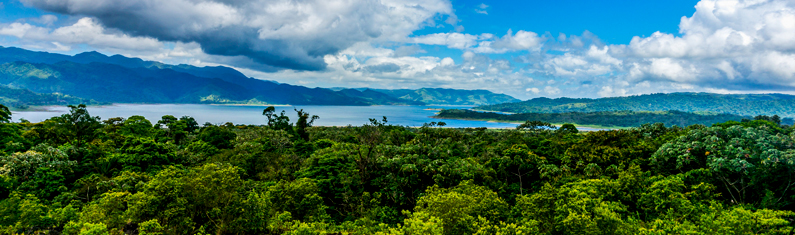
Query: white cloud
pixel 607 91
pixel 745 42
pixel 522 40
pixel 447 61
pixel 482 9
pixel 277 33
pixel 725 46
pixel 84 31
pixel 551 90
pixel 484 43
pixel 451 40
pixel 45 19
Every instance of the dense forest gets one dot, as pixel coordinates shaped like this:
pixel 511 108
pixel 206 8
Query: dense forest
pixel 606 118
pixel 738 104
pixel 79 174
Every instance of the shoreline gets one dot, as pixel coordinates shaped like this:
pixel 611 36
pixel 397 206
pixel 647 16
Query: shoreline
pixel 48 108
pixel 578 126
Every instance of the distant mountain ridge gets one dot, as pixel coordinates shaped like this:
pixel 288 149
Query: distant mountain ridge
pixel 738 104
pixel 119 79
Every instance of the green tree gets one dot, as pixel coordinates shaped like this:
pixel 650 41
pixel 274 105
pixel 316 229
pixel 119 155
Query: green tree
pixel 460 207
pixel 136 126
pixel 746 162
pixel 583 207
pixel 176 130
pixel 567 129
pixel 11 139
pixel 191 124
pixel 5 114
pixel 218 136
pixel 277 122
pixel 185 199
pixel 304 122
pixel 80 125
pixel 24 164
pixel 300 198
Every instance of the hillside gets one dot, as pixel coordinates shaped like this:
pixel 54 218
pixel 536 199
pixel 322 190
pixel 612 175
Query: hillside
pixel 738 104
pixel 23 98
pixel 443 96
pixel 120 79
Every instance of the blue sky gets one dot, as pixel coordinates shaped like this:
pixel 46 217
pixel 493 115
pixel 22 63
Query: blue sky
pixel 522 48
pixel 607 18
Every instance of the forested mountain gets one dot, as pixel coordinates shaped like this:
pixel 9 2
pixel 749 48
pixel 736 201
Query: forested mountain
pixel 23 98
pixel 119 79
pixel 739 104
pixel 79 174
pixel 603 119
pixel 376 97
pixel 450 96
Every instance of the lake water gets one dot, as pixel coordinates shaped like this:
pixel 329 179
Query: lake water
pixel 219 114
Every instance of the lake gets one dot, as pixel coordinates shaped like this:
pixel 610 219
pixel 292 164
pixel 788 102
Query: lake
pixel 218 114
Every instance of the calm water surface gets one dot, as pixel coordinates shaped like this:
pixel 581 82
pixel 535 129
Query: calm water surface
pixel 219 114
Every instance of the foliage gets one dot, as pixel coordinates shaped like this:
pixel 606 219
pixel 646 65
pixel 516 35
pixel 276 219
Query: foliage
pixel 74 174
pixel 744 160
pixel 5 115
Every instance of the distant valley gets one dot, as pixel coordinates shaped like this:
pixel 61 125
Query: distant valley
pixel 92 78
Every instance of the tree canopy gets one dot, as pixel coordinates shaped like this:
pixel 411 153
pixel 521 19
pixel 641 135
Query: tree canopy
pixel 78 174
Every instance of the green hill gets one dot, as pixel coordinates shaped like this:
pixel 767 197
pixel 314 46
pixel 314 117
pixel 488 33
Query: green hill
pixel 443 96
pixel 738 104
pixel 23 98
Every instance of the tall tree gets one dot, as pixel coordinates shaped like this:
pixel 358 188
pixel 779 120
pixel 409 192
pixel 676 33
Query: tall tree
pixel 304 121
pixel 5 115
pixel 80 125
pixel 277 122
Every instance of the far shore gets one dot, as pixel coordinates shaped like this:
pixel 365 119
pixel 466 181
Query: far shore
pixel 579 126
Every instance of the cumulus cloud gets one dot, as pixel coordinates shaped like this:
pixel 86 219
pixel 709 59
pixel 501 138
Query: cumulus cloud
pixel 725 46
pixel 482 9
pixel 84 31
pixel 279 33
pixel 484 43
pixel 550 90
pixel 45 19
pixel 533 90
pixel 744 44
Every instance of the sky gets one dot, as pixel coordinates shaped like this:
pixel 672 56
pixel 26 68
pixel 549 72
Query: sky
pixel 526 49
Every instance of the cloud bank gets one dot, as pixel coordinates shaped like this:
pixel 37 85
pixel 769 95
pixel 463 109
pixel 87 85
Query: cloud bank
pixel 279 33
pixel 725 46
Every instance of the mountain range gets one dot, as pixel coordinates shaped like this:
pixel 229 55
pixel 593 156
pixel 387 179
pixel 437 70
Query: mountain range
pixel 119 79
pixel 737 104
